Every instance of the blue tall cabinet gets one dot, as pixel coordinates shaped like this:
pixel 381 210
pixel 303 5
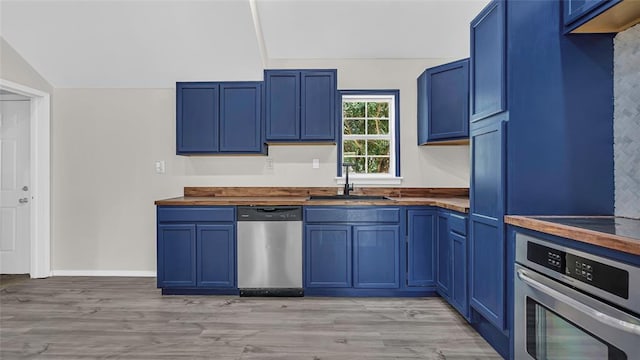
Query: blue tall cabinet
pixel 219 118
pixel 300 105
pixel 541 133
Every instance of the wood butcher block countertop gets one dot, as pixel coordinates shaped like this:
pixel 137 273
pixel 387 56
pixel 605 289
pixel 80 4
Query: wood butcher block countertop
pixel 449 198
pixel 616 233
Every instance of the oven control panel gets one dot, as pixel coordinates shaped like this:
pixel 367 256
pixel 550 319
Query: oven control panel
pixel 605 277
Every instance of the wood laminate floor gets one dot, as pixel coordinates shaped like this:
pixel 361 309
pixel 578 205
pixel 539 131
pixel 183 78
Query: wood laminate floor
pixel 127 318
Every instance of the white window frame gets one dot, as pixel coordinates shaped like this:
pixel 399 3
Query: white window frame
pixel 389 178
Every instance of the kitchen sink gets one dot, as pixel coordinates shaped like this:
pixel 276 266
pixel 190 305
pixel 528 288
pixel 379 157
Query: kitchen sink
pixel 347 197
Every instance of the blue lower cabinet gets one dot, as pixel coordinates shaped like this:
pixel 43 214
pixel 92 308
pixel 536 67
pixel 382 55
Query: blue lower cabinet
pixel 421 228
pixel 328 256
pixel 487 269
pixel 376 253
pixel 216 256
pixel 443 255
pixel 196 249
pixel 451 255
pixel 176 255
pixel 357 251
pixel 458 297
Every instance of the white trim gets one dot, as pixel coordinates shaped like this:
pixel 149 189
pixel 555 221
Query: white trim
pixel 40 120
pixel 370 180
pixel 13 97
pixel 386 178
pixel 257 26
pixel 122 273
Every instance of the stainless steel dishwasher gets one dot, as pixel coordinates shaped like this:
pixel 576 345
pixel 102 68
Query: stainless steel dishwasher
pixel 270 250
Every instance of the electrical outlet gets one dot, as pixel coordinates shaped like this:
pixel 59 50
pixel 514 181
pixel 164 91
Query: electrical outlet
pixel 160 167
pixel 316 163
pixel 269 164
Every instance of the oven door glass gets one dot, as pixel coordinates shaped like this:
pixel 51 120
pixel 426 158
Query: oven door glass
pixel 552 337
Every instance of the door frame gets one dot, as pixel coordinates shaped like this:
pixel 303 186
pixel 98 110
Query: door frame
pixel 40 176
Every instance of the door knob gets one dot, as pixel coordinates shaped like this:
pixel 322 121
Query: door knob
pixel 25 188
pixel 23 200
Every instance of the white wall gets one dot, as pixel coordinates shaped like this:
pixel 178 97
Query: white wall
pixel 105 142
pixel 626 123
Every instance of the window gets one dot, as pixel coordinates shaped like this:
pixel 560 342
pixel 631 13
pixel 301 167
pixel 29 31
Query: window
pixel 369 138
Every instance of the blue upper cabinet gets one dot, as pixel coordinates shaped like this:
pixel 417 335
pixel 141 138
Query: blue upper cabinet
pixel 282 108
pixel 213 118
pixel 197 117
pixel 300 105
pixel 575 9
pixel 318 111
pixel 488 68
pixel 599 16
pixel 443 103
pixel 240 117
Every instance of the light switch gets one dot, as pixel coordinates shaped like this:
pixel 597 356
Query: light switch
pixel 316 163
pixel 269 164
pixel 160 168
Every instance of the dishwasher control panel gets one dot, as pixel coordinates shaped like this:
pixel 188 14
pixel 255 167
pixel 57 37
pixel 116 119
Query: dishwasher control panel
pixel 269 213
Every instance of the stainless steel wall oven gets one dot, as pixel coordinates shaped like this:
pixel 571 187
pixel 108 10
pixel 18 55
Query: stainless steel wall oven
pixel 570 304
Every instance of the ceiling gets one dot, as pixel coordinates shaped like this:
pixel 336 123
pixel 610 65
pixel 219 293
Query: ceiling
pixel 154 43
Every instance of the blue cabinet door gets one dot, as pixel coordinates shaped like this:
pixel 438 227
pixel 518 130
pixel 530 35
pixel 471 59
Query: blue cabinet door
pixel 487 170
pixel 443 255
pixel 318 114
pixel 487 269
pixel 216 256
pixel 423 108
pixel 282 98
pixel 459 272
pixel 376 254
pixel 241 117
pixel 300 105
pixel 444 111
pixel 421 232
pixel 487 248
pixel 197 118
pixel 488 62
pixel 176 255
pixel 328 256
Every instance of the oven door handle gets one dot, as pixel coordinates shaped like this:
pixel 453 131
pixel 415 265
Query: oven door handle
pixel 587 310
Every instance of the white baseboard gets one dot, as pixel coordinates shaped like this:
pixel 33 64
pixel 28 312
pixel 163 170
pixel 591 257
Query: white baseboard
pixel 103 273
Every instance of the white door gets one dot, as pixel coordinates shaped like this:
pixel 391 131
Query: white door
pixel 14 187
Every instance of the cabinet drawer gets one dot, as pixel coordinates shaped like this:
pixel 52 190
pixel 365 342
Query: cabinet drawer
pixel 195 214
pixel 458 224
pixel 352 215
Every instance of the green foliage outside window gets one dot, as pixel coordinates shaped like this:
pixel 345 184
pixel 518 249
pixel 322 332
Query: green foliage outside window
pixel 367 140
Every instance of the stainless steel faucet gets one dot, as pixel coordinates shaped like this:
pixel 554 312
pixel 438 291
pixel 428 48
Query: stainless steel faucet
pixel 347 187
